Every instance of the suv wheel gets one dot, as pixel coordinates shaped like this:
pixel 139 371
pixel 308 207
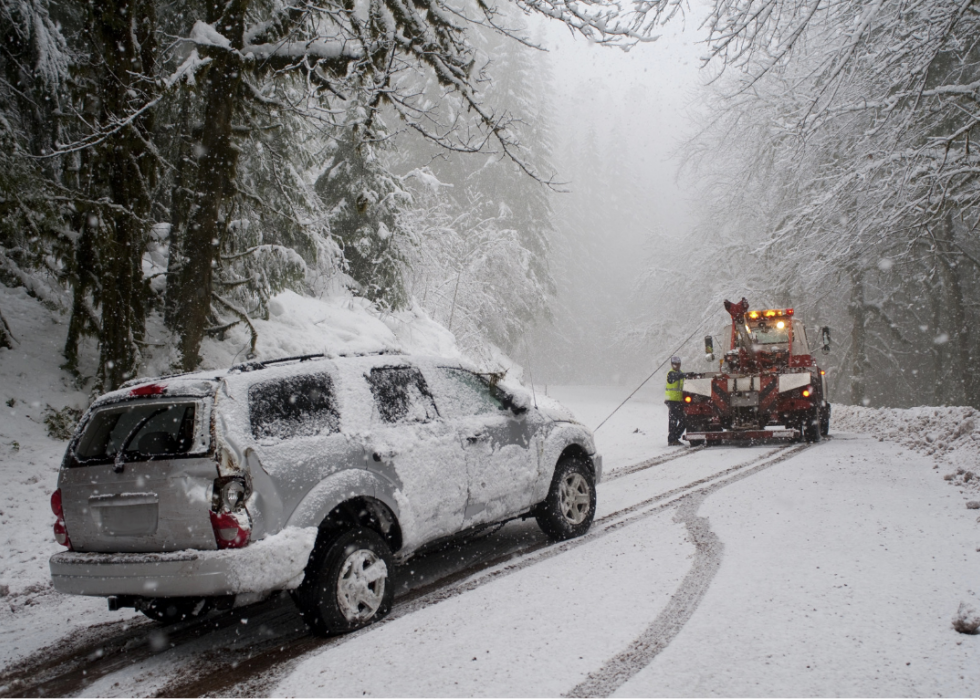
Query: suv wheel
pixel 348 582
pixel 568 510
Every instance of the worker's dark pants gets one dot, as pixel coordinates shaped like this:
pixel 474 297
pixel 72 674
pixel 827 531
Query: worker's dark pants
pixel 675 420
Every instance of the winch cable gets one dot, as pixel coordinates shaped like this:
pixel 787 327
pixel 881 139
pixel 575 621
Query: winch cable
pixel 689 338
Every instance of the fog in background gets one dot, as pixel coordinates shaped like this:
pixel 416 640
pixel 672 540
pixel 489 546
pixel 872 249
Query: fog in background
pixel 620 121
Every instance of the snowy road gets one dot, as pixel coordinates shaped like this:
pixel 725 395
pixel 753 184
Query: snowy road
pixel 831 569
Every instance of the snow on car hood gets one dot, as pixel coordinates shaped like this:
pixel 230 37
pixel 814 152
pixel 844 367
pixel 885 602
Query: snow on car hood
pixel 554 410
pixel 546 405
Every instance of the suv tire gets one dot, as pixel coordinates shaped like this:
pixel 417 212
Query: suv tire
pixel 569 509
pixel 348 583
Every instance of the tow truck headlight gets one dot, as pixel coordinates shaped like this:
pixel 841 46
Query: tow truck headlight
pixel 687 399
pixel 807 391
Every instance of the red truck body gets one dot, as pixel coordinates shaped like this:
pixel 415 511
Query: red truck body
pixel 769 386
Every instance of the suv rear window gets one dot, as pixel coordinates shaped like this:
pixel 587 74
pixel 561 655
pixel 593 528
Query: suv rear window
pixel 142 430
pixel 295 406
pixel 401 394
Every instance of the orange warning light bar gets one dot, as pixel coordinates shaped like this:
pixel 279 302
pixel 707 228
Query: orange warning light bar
pixel 770 313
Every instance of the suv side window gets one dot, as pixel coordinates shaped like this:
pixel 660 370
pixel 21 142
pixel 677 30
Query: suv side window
pixel 465 393
pixel 401 394
pixel 295 406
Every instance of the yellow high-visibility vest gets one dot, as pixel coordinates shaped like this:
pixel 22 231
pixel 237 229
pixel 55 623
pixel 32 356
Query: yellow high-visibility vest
pixel 675 391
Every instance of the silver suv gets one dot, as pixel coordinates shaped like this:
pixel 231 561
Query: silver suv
pixel 310 474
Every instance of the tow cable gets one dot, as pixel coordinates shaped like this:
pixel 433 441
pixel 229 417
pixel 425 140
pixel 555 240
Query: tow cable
pixel 689 337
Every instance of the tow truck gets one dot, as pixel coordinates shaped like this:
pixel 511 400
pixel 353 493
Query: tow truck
pixel 768 387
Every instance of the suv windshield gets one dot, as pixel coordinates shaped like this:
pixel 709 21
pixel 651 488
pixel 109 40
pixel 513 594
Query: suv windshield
pixel 143 430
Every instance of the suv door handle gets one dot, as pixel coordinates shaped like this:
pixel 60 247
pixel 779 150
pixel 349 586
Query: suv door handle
pixel 478 437
pixel 386 456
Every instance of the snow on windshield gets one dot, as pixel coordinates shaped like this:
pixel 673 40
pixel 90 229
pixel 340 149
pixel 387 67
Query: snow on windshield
pixel 401 394
pixel 462 393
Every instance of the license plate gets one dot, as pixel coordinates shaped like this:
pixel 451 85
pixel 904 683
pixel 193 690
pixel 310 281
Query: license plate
pixel 745 401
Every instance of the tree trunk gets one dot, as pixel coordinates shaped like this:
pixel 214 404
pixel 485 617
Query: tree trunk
pixel 956 378
pixel 7 338
pixel 217 163
pixel 85 277
pixel 124 31
pixel 859 339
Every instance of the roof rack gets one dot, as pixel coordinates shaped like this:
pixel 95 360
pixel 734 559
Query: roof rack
pixel 147 379
pixel 257 365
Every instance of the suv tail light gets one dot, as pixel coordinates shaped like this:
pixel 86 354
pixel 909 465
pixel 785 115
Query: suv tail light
pixel 229 518
pixel 60 530
pixel 231 529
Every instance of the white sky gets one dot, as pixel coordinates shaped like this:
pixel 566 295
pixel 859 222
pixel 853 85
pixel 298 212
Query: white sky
pixel 639 104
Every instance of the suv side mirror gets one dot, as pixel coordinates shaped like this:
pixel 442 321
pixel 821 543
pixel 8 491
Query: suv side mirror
pixel 709 348
pixel 825 339
pixel 508 401
pixel 512 403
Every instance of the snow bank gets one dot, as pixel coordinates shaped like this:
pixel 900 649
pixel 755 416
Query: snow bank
pixel 335 325
pixel 951 435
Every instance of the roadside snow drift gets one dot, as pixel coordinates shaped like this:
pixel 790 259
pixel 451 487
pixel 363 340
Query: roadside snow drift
pixel 951 435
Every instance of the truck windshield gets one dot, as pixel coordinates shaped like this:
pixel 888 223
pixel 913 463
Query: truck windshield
pixel 144 429
pixel 769 334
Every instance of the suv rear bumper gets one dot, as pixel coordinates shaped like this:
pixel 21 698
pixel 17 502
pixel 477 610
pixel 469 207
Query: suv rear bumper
pixel 276 563
pixel 101 575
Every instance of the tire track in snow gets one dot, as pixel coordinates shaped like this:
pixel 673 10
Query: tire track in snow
pixel 279 661
pixel 643 465
pixel 60 670
pixel 683 603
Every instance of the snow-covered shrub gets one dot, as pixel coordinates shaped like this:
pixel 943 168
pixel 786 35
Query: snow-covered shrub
pixel 61 423
pixel 967 619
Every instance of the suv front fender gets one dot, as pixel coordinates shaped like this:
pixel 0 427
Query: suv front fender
pixel 559 439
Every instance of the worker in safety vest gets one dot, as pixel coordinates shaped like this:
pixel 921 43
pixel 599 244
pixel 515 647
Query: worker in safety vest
pixel 675 402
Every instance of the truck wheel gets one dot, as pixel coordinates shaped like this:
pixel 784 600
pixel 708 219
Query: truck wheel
pixel 825 420
pixel 170 610
pixel 569 509
pixel 348 582
pixel 811 426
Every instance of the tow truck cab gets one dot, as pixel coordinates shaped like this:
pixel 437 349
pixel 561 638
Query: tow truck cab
pixel 767 377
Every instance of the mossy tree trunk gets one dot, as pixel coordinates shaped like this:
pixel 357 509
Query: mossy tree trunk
pixel 217 160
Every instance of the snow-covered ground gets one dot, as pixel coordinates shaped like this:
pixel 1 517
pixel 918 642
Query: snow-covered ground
pixel 840 572
pixel 835 569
